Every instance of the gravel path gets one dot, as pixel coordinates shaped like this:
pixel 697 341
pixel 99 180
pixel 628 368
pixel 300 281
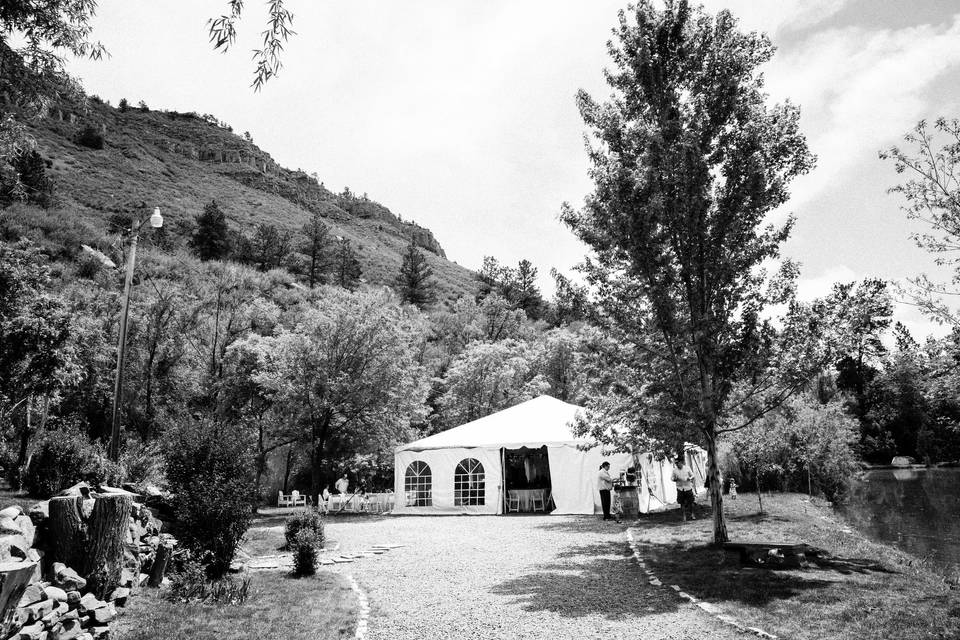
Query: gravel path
pixel 511 577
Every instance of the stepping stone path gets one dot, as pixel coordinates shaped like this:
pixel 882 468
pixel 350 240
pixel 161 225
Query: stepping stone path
pixel 285 561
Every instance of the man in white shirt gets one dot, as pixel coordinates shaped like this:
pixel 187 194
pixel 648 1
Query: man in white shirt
pixel 605 484
pixel 683 476
pixel 342 485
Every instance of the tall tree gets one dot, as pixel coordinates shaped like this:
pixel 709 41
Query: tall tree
pixel 415 281
pixel 346 267
pixel 270 247
pixel 211 239
pixel 688 161
pixel 525 292
pixel 317 247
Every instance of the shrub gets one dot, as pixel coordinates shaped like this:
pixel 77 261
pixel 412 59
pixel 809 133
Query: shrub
pixel 309 520
pixel 89 137
pixel 210 469
pixel 190 584
pixel 63 458
pixel 305 552
pixel 123 105
pixel 88 266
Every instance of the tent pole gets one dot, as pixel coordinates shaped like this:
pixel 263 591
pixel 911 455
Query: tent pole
pixel 503 481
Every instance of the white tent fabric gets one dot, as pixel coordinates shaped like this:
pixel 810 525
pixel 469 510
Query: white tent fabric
pixel 543 421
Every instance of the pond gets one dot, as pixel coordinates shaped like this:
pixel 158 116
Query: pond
pixel 918 510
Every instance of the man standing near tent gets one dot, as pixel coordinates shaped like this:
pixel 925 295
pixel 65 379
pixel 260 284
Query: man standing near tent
pixel 605 484
pixel 683 476
pixel 342 485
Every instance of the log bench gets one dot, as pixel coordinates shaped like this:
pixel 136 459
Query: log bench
pixel 772 555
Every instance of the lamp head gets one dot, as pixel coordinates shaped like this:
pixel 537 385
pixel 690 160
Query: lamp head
pixel 156 220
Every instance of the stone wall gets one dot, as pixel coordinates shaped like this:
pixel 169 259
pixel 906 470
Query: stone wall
pixel 45 600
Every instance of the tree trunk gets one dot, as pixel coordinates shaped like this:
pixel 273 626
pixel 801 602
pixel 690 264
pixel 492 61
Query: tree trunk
pixel 89 537
pixel 286 471
pixel 716 492
pixel 164 551
pixel 759 491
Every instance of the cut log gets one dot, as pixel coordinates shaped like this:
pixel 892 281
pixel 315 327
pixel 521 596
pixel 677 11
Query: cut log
pixel 164 551
pixel 89 537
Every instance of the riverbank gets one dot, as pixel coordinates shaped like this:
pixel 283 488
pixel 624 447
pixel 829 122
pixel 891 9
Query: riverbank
pixel 863 590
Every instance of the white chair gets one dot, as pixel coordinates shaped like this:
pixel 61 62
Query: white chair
pixel 297 500
pixel 537 502
pixel 513 501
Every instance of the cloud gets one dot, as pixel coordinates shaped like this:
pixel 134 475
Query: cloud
pixel 818 286
pixel 859 91
pixel 781 15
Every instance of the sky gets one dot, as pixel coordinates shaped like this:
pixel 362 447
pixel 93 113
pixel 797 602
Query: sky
pixel 460 114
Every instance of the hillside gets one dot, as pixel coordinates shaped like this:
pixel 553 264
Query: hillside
pixel 180 162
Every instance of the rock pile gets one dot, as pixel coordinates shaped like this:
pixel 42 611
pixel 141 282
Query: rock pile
pixel 45 600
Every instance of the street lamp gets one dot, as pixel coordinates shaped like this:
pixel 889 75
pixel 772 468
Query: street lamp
pixel 156 221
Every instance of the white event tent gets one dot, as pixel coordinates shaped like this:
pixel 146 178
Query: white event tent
pixel 466 469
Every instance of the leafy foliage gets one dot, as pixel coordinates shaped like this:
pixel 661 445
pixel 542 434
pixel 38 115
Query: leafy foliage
pixel 63 458
pixel 89 137
pixel 191 584
pixel 210 471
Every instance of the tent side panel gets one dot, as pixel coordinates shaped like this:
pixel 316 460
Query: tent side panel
pixel 443 464
pixel 573 477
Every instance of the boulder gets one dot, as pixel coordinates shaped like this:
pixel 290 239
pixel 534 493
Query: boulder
pixel 13 512
pixel 70 629
pixel 73 598
pixel 119 596
pixel 27 529
pixel 104 614
pixel 30 632
pixel 8 525
pixel 13 547
pixel 90 602
pixel 56 593
pixel 66 578
pixel 33 593
pixel 40 609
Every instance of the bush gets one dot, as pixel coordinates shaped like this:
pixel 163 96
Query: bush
pixel 210 469
pixel 190 584
pixel 309 520
pixel 91 138
pixel 62 459
pixel 305 552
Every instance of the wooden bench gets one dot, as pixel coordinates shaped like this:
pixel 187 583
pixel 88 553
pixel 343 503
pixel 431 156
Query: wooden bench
pixel 772 554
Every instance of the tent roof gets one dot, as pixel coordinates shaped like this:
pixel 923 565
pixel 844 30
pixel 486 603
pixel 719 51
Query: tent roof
pixel 534 423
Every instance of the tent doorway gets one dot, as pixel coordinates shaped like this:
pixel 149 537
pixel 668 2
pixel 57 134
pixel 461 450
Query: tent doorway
pixel 526 480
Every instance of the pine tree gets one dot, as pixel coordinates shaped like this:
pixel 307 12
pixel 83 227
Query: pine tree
pixel 317 248
pixel 211 240
pixel 414 281
pixel 347 266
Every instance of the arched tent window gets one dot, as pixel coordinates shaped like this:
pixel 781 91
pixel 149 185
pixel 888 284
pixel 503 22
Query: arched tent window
pixel 418 484
pixel 468 483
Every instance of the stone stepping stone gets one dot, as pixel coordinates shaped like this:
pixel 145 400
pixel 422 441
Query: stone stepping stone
pixel 325 561
pixel 342 560
pixel 389 546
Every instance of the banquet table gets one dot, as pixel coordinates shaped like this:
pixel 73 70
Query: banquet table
pixel 526 497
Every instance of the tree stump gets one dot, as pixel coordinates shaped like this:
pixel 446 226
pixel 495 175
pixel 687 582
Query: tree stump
pixel 164 551
pixel 88 536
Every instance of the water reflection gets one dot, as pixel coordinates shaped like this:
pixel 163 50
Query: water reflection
pixel 916 509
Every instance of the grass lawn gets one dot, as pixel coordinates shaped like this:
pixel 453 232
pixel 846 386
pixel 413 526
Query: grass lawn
pixel 280 606
pixel 863 590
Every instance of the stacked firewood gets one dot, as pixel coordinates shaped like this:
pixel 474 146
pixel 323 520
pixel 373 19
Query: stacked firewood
pixel 69 564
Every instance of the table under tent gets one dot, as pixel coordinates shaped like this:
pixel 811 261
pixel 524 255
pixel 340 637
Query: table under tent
pixel 524 458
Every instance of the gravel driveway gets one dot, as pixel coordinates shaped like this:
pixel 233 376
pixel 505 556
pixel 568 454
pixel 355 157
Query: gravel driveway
pixel 524 577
